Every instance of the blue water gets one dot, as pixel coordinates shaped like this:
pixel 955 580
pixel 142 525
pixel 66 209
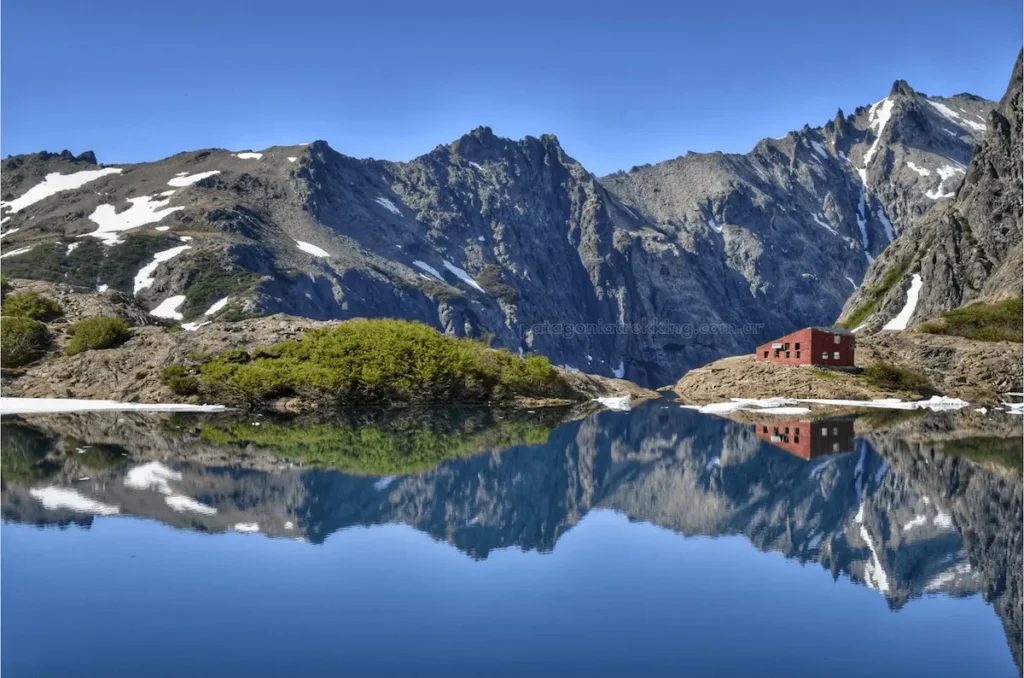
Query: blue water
pixel 612 596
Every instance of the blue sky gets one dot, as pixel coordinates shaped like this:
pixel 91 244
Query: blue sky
pixel 619 83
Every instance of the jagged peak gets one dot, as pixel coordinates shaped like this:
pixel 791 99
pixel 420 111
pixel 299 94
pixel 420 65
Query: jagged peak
pixel 901 87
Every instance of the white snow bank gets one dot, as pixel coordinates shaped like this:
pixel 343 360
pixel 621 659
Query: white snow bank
pixel 1014 408
pixel 759 405
pixel 183 504
pixel 819 149
pixel 878 116
pixel 56 182
pixel 168 308
pixel 217 305
pixel 714 225
pixel 312 249
pixel 901 320
pixel 9 231
pixel 923 171
pixel 428 268
pixel 955 117
pixel 192 327
pixel 249 155
pixel 54 498
pixel 14 253
pixel 292 158
pixel 151 476
pixel 144 278
pixel 247 527
pixel 620 371
pixel 463 276
pixel 144 210
pixel 935 403
pixel 388 205
pixel 189 179
pixel 824 224
pixel 71 248
pixel 616 403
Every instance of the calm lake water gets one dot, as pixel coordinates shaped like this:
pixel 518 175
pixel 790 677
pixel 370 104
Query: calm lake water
pixel 487 543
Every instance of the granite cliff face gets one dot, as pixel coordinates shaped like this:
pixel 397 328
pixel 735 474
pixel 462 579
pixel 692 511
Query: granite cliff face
pixel 969 248
pixel 644 274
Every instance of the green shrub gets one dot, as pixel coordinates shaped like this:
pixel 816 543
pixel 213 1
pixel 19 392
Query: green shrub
pixel 893 377
pixel 209 281
pixel 877 293
pixel 379 361
pixel 97 333
pixel 25 454
pixel 381 447
pixel 180 380
pixel 998 321
pixel 22 340
pixel 31 305
pixel 1005 452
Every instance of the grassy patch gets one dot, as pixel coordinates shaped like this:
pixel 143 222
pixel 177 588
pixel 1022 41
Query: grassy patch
pixel 123 261
pixel 179 379
pixel 97 333
pixel 31 305
pixel 1006 452
pixel 384 448
pixel 22 340
pixel 895 378
pixel 377 362
pixel 825 374
pixel 24 454
pixel 209 281
pixel 867 307
pixel 999 321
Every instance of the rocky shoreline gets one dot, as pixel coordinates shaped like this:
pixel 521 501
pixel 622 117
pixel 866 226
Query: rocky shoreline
pixel 132 372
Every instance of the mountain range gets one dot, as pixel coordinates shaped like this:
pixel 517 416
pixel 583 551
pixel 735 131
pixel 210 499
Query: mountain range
pixel 643 274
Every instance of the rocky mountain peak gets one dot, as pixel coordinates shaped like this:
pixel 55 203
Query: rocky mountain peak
pixel 900 87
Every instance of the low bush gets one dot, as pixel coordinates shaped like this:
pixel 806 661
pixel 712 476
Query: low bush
pixel 31 305
pixel 97 333
pixel 179 380
pixel 22 340
pixel 893 377
pixel 999 321
pixel 378 361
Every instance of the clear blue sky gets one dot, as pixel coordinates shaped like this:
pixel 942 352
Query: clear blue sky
pixel 620 83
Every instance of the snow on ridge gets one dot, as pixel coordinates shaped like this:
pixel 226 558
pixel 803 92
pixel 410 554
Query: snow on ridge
pixel 182 180
pixel 48 405
pixel 183 504
pixel 901 320
pixel 55 498
pixel 246 527
pixel 388 205
pixel 20 250
pixel 217 305
pixel 944 172
pixel 144 210
pixel 429 269
pixel 54 183
pixel 923 171
pixel 71 248
pixel 955 117
pixel 851 282
pixel 878 117
pixel 824 224
pixel 292 158
pixel 248 155
pixel 151 476
pixel 819 149
pixel 310 248
pixel 714 225
pixel 168 308
pixel 620 371
pixel 144 278
pixel 8 232
pixel 463 276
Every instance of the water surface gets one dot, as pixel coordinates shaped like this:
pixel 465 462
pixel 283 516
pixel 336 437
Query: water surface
pixel 477 542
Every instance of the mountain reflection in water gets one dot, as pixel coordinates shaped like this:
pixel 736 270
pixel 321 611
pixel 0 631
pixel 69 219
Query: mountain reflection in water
pixel 877 501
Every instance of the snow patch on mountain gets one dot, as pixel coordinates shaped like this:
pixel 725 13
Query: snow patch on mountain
pixel 310 248
pixel 463 276
pixel 144 278
pixel 901 320
pixel 188 179
pixel 168 308
pixel 144 210
pixel 54 183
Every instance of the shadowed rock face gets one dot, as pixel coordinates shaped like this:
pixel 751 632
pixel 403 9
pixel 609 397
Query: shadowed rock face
pixel 969 248
pixel 671 265
pixel 892 514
